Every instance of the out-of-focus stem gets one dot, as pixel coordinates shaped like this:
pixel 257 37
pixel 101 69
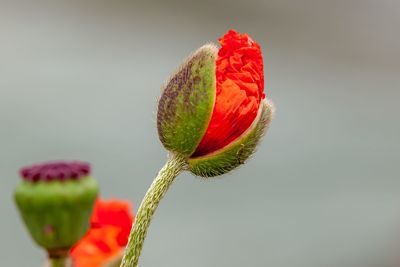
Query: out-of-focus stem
pixel 58 258
pixel 156 192
pixel 59 262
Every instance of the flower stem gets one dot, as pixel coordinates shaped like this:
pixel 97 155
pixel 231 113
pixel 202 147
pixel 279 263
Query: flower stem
pixel 58 258
pixel 58 262
pixel 156 192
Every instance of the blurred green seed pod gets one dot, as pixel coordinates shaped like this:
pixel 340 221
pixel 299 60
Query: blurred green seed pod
pixel 55 200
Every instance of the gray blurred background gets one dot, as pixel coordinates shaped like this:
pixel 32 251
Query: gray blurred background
pixel 80 80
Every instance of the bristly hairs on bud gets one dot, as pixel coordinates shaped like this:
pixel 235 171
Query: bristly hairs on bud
pixel 236 153
pixel 187 102
pixel 207 47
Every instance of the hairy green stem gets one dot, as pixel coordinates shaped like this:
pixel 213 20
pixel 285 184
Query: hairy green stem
pixel 156 192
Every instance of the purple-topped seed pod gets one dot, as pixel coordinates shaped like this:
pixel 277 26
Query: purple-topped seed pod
pixel 55 200
pixel 55 170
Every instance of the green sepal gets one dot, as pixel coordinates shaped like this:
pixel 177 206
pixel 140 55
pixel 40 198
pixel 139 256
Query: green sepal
pixel 187 102
pixel 57 213
pixel 236 153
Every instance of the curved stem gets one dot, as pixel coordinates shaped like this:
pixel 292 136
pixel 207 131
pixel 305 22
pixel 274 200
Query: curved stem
pixel 156 192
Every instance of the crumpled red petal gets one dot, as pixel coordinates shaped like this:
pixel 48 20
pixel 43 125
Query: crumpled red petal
pixel 239 92
pixel 107 237
pixel 115 213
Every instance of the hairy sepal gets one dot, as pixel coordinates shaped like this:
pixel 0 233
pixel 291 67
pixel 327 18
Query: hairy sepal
pixel 187 102
pixel 236 153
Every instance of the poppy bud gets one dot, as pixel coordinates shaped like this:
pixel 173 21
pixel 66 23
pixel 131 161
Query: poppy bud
pixel 55 200
pixel 211 116
pixel 212 111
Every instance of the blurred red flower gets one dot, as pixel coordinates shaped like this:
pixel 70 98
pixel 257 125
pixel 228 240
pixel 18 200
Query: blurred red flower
pixel 107 237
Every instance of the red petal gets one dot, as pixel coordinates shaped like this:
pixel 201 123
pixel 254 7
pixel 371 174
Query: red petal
pixel 96 247
pixel 240 89
pixel 110 225
pixel 116 213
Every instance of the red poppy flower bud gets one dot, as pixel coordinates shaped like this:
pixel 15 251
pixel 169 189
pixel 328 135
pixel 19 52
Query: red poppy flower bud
pixel 55 200
pixel 212 110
